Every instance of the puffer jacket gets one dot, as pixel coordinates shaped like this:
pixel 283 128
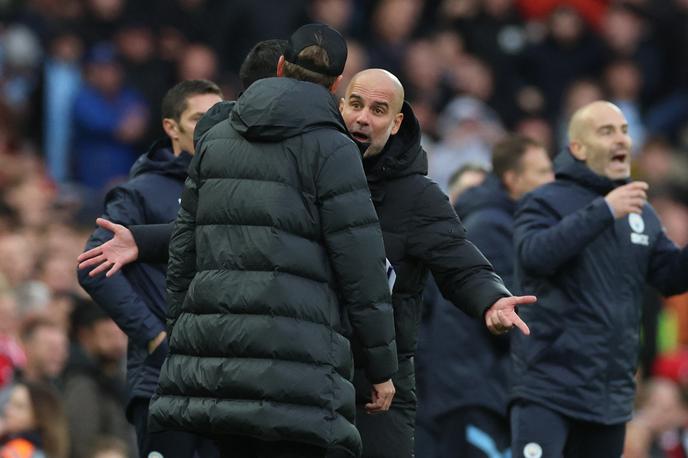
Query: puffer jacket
pixel 276 240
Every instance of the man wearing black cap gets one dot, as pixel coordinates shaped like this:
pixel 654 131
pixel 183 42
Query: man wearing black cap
pixel 276 244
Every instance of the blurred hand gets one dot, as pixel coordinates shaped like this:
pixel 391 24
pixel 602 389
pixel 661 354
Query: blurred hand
pixel 628 198
pixel 502 316
pixel 382 396
pixel 133 126
pixel 155 343
pixel 113 254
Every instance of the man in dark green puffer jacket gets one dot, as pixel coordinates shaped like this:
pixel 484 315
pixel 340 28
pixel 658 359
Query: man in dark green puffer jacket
pixel 276 241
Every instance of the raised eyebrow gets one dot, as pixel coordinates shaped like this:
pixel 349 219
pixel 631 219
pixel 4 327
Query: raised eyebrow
pixel 381 104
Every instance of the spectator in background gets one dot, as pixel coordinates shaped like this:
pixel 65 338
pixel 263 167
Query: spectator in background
pixel 628 36
pixel 61 81
pixel 109 119
pixel 468 128
pixel 659 425
pixel 466 177
pixel 12 357
pixel 579 93
pixel 144 71
pixel 33 423
pixel 45 347
pixel 392 25
pixel 568 52
pixel 623 82
pixel 463 400
pixel 197 62
pixel 94 391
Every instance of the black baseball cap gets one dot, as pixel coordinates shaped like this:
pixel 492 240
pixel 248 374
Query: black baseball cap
pixel 321 35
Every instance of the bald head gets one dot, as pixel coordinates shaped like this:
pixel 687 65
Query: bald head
pixel 585 117
pixel 383 82
pixel 598 135
pixel 371 108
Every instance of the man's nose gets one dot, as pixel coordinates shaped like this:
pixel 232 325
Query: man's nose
pixel 362 117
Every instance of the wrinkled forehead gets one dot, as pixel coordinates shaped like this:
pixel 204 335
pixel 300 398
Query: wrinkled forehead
pixel 605 116
pixel 373 90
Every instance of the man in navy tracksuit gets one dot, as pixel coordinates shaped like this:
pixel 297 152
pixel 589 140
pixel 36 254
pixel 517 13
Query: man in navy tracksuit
pixel 463 387
pixel 585 244
pixel 135 297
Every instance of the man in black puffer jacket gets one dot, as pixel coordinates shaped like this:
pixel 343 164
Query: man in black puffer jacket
pixel 422 234
pixel 586 244
pixel 276 240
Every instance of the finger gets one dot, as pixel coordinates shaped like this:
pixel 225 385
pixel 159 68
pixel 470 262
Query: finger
pixel 374 407
pixel 520 324
pixel 90 253
pixel 640 185
pixel 105 265
pixel 114 269
pixel 107 225
pixel 91 262
pixel 516 300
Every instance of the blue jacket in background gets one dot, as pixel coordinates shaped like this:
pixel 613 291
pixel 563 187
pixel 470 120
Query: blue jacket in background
pixel 588 271
pixel 99 155
pixel 460 364
pixel 135 297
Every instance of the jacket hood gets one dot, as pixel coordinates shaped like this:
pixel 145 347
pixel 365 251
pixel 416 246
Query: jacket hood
pixel 161 160
pixel 490 194
pixel 403 154
pixel 273 109
pixel 567 167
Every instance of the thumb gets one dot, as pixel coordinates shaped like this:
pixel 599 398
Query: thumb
pixel 107 225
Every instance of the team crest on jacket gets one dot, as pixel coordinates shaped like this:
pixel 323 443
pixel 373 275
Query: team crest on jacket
pixel 638 226
pixel 532 450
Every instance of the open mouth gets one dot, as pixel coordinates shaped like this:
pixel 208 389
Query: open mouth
pixel 619 157
pixel 360 137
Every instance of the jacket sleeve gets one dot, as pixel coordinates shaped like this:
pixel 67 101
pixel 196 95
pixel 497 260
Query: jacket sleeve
pixel 438 239
pixel 181 266
pixel 354 242
pixel 115 294
pixel 494 238
pixel 153 241
pixel 544 242
pixel 668 269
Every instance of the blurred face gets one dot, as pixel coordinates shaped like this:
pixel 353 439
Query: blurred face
pixel 181 132
pixel 604 143
pixel 19 415
pixel 535 170
pixel 108 341
pixel 46 352
pixel 107 78
pixel 370 110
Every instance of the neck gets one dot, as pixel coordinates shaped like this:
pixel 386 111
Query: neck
pixel 176 149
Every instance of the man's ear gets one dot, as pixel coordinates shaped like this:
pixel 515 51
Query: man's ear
pixel 341 104
pixel 578 150
pixel 280 66
pixel 171 129
pixel 398 118
pixel 335 85
pixel 509 179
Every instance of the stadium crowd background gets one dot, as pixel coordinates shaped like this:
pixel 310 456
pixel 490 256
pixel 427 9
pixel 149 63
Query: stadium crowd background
pixel 80 88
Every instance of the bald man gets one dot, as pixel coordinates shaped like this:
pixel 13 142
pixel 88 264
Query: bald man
pixel 586 244
pixel 422 234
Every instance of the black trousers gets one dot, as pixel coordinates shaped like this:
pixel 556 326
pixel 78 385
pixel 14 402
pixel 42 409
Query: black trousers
pixel 539 432
pixel 388 434
pixel 248 447
pixel 170 444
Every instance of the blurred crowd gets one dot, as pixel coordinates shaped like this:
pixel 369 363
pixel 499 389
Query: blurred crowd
pixel 80 88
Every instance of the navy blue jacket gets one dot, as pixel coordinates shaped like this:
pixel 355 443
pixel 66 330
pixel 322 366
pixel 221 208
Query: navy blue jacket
pixel 135 297
pixel 473 369
pixel 589 272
